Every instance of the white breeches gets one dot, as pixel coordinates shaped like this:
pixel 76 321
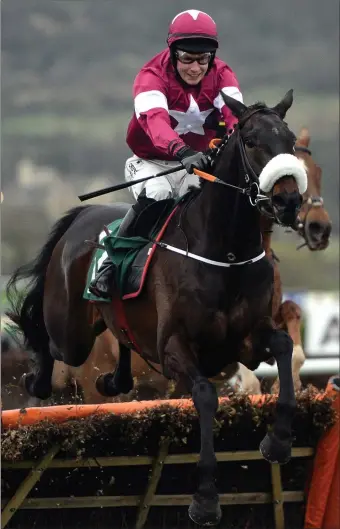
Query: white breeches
pixel 173 185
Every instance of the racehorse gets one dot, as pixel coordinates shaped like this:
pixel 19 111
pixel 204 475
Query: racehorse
pixel 200 309
pixel 313 225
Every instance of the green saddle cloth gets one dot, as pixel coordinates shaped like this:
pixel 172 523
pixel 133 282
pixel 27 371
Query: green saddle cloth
pixel 122 252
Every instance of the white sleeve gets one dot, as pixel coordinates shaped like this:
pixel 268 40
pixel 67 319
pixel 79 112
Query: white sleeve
pixel 151 99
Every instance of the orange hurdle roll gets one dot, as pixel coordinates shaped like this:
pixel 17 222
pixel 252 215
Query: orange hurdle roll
pixel 59 414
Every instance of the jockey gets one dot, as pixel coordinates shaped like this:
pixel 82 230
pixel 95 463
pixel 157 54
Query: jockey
pixel 177 112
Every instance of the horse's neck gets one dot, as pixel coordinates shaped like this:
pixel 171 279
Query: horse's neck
pixel 223 220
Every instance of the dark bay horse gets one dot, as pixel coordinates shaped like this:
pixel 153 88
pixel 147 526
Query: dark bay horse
pixel 200 310
pixel 313 224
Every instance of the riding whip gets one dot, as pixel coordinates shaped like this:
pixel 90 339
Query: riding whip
pixel 117 187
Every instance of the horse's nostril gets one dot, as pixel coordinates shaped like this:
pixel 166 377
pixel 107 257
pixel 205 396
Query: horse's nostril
pixel 327 231
pixel 316 227
pixel 319 230
pixel 278 203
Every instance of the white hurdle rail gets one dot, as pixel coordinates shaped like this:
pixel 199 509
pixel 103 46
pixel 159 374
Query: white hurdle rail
pixel 312 366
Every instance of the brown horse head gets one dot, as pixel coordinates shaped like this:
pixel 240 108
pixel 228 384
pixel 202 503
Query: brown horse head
pixel 268 156
pixel 314 223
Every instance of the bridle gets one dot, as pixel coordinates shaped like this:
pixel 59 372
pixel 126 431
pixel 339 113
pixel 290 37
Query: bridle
pixel 311 201
pixel 252 191
pixel 262 202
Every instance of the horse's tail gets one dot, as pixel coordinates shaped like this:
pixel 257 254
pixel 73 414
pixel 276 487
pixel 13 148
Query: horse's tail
pixel 26 308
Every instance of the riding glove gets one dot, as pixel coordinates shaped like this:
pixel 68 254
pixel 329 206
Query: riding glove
pixel 191 159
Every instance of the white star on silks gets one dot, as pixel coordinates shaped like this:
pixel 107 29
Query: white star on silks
pixel 192 120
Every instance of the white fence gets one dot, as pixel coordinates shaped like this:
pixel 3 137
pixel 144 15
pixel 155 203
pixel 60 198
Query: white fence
pixel 320 333
pixel 321 322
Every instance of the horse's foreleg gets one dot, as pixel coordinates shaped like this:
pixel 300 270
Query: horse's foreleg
pixel 204 508
pixel 120 381
pixel 298 359
pixel 38 382
pixel 276 446
pixel 289 318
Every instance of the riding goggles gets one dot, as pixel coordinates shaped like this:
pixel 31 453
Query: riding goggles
pixel 187 58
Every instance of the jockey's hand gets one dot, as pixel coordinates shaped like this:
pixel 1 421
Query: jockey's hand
pixel 191 159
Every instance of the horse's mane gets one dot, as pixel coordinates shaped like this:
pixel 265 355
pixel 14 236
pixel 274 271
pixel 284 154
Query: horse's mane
pixel 257 106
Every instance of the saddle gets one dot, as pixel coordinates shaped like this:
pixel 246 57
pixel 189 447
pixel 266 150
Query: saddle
pixel 152 218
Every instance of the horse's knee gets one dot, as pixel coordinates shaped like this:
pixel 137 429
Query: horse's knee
pixel 280 344
pixel 204 395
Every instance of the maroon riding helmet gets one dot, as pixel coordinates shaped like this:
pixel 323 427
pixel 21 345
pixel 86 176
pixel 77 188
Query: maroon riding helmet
pixel 193 31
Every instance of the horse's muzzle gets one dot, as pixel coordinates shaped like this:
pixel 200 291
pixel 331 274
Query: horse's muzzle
pixel 286 207
pixel 317 234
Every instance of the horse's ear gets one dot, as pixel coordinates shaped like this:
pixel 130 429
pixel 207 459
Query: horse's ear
pixel 285 104
pixel 303 137
pixel 235 106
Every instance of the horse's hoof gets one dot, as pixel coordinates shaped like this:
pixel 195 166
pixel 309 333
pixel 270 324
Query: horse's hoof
pixel 275 450
pixel 126 386
pixel 205 512
pixel 33 388
pixel 106 385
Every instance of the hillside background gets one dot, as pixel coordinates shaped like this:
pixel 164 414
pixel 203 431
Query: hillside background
pixel 67 72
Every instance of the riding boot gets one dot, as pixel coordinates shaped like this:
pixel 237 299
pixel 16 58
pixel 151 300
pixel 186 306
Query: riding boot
pixel 102 284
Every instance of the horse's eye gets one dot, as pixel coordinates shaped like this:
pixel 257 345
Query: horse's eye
pixel 250 144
